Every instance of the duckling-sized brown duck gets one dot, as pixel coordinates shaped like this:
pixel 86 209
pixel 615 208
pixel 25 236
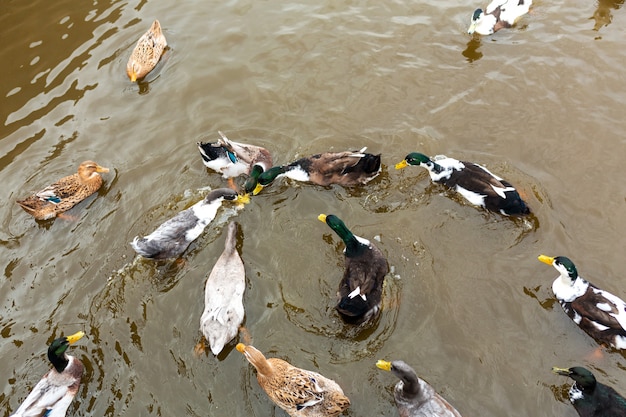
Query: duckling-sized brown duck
pixel 361 287
pixel 414 396
pixel 54 393
pixel 65 193
pixel 299 392
pixel 147 53
pixel 348 168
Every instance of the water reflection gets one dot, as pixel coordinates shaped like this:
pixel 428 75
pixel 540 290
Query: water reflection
pixel 471 52
pixel 602 15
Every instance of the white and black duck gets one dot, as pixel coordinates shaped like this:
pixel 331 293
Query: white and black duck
pixel 599 313
pixel 171 238
pixel 499 14
pixel 474 182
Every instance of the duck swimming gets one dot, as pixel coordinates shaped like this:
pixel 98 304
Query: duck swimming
pixel 591 398
pixel 223 295
pixel 415 397
pixel 147 53
pixel 54 393
pixel 599 313
pixel 299 392
pixel 474 182
pixel 348 169
pixel 173 237
pixel 499 14
pixel 65 193
pixel 361 288
pixel 232 159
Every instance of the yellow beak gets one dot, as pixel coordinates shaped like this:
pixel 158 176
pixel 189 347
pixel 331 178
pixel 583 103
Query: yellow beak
pixel 241 347
pixel 101 169
pixel 546 259
pixel 560 371
pixel 384 365
pixel 402 164
pixel 243 199
pixel 257 189
pixel 322 218
pixel 75 337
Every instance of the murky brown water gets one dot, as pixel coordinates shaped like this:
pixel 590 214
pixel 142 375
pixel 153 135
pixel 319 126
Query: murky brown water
pixel 468 304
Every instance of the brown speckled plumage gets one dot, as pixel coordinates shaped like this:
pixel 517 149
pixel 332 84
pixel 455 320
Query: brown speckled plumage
pixel 299 392
pixel 147 52
pixel 65 193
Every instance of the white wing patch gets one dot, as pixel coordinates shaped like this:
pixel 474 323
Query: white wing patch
pixel 619 305
pixel 357 291
pixel 297 174
pixel 471 196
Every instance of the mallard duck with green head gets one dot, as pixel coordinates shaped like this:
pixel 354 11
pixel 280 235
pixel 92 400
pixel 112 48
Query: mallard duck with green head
pixel 591 398
pixel 54 393
pixel 232 159
pixel 223 295
pixel 301 393
pixel 348 169
pixel 147 52
pixel 65 193
pixel 599 313
pixel 474 182
pixel 415 397
pixel 173 237
pixel 360 290
pixel 498 14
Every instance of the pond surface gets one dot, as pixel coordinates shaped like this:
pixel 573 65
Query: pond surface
pixel 467 304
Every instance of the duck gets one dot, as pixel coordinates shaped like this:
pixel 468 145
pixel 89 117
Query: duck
pixel 173 237
pixel 54 392
pixel 147 52
pixel 232 159
pixel 415 397
pixel 301 393
pixel 599 313
pixel 499 14
pixel 223 295
pixel 591 398
pixel 360 290
pixel 349 168
pixel 65 193
pixel 474 182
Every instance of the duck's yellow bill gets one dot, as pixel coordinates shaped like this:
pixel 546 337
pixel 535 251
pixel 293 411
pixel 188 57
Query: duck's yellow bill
pixel 243 199
pixel 384 365
pixel 402 164
pixel 240 347
pixel 322 218
pixel 257 189
pixel 546 259
pixel 561 371
pixel 101 169
pixel 75 337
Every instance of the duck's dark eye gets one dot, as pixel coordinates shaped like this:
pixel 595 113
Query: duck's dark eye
pixel 232 157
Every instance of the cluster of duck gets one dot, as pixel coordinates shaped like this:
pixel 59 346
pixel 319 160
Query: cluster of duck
pixel 301 392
